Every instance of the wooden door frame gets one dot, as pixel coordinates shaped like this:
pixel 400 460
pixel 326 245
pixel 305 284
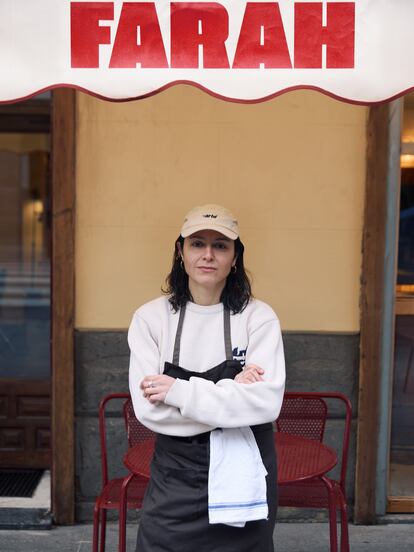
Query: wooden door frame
pixel 63 149
pixel 379 247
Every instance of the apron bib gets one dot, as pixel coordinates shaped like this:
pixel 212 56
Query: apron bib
pixel 174 515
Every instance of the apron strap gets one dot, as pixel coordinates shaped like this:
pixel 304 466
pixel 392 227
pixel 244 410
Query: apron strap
pixel 227 335
pixel 176 355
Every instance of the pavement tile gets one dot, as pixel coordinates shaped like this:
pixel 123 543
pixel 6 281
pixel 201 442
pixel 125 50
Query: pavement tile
pixel 288 537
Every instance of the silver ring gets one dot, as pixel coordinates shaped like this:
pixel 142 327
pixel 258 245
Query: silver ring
pixel 151 384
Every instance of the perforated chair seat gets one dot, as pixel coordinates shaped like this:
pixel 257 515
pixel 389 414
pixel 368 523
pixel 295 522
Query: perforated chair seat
pixel 310 494
pixel 110 494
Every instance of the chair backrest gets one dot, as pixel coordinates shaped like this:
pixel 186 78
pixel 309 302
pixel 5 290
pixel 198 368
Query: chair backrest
pixel 102 429
pixel 136 432
pixel 305 414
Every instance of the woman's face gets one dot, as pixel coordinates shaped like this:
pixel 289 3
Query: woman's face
pixel 208 258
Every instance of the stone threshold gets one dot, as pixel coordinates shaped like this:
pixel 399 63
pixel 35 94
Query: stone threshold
pixel 28 513
pixel 393 519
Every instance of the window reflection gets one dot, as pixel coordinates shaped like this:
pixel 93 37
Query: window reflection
pixel 24 257
pixel 405 276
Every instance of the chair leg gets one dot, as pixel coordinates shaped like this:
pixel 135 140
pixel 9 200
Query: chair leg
pixel 103 530
pixel 95 538
pixel 122 512
pixel 344 528
pixel 333 533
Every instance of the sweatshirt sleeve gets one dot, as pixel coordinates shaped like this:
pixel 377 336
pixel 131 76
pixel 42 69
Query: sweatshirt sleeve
pixel 230 404
pixel 144 361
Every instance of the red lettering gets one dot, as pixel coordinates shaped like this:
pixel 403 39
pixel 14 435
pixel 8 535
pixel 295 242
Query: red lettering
pixel 86 33
pixel 195 24
pixel 138 38
pixel 262 38
pixel 338 35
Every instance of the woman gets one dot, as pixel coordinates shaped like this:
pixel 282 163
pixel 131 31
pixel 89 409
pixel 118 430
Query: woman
pixel 205 358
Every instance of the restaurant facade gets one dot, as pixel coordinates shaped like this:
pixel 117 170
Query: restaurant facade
pixel 93 194
pixel 315 183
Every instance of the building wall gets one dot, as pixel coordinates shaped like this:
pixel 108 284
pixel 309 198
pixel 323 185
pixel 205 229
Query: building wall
pixel 293 171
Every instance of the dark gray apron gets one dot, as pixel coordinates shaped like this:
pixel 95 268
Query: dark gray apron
pixel 174 515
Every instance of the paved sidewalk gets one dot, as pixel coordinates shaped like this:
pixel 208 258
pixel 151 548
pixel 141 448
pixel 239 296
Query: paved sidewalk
pixel 289 537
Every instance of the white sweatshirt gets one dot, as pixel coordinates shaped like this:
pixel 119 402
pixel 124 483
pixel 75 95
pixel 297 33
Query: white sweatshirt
pixel 198 405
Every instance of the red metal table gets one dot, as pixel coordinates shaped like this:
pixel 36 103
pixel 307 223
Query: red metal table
pixel 298 458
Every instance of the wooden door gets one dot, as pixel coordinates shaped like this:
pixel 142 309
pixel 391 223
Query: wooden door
pixel 25 424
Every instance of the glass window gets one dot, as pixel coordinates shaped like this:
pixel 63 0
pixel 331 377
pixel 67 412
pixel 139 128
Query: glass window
pixel 24 257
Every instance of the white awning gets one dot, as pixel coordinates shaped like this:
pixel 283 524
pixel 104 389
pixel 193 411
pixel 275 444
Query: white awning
pixel 357 51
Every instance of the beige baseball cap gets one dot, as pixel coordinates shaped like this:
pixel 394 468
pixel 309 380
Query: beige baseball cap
pixel 210 217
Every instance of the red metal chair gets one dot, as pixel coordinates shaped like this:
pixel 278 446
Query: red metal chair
pixel 118 493
pixel 305 415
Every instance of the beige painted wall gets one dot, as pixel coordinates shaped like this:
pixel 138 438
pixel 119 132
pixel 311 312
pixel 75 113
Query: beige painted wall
pixel 292 169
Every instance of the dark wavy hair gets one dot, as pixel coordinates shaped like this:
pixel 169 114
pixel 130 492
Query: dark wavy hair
pixel 235 295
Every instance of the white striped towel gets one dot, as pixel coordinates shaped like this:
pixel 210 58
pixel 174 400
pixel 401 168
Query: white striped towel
pixel 236 478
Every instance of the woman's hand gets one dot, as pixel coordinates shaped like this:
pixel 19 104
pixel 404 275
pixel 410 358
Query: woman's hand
pixel 156 387
pixel 250 374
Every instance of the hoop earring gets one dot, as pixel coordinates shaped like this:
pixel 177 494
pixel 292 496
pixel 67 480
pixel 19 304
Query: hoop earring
pixel 234 269
pixel 179 258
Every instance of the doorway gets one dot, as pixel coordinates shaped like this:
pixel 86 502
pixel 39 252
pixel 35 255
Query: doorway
pixel 401 474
